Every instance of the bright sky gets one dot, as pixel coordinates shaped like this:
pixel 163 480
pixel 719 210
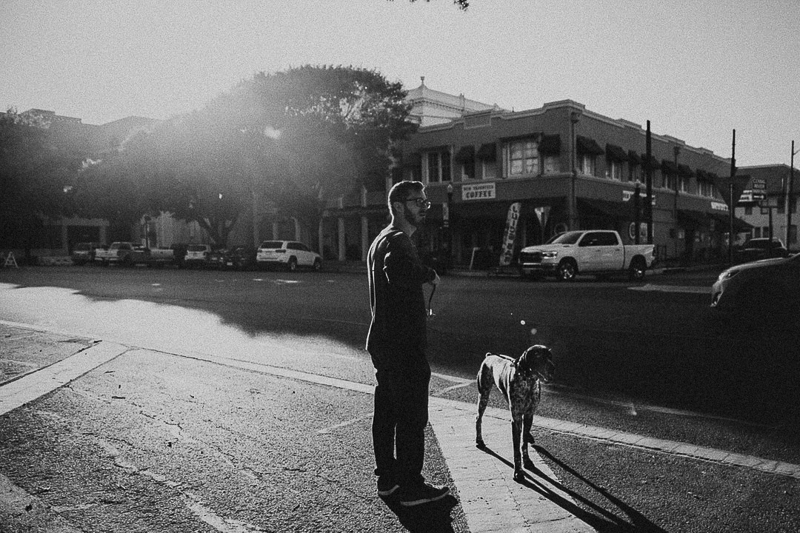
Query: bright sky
pixel 696 69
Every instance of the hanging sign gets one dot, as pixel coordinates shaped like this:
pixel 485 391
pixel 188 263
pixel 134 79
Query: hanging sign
pixel 478 191
pixel 510 234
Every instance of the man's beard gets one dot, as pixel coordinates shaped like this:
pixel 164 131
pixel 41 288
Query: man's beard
pixel 409 216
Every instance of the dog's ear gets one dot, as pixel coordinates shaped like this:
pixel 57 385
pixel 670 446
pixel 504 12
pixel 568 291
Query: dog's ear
pixel 539 350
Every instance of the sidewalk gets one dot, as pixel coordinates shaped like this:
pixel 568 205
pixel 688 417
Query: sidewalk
pixel 487 499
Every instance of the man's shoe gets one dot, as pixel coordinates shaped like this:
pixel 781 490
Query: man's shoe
pixel 423 493
pixel 387 487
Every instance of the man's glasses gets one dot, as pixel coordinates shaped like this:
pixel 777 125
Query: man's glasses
pixel 421 202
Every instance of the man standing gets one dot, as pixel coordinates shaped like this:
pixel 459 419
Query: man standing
pixel 396 341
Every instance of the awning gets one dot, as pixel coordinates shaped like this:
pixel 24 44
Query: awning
pixel 615 153
pixel 668 167
pixel 634 158
pixel 586 145
pixel 487 152
pixel 550 144
pixel 412 160
pixel 613 209
pixel 466 153
pixel 697 218
pixel 685 171
pixel 653 162
pixel 702 175
pixel 724 221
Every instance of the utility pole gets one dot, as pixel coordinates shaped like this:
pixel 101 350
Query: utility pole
pixel 730 204
pixel 572 207
pixel 790 200
pixel 676 150
pixel 648 203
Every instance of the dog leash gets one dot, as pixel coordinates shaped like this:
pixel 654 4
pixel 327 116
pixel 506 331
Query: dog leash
pixel 430 299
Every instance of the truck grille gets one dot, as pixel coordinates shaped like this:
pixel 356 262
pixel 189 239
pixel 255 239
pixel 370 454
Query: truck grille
pixel 530 257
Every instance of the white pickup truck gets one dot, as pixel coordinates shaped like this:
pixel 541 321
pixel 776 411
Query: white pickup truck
pixel 129 254
pixel 598 252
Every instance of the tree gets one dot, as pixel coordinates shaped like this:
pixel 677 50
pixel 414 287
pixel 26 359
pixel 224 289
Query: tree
pixel 294 137
pixel 338 129
pixel 37 169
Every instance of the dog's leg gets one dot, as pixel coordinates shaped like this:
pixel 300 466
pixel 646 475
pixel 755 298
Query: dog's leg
pixel 516 438
pixel 527 438
pixel 484 390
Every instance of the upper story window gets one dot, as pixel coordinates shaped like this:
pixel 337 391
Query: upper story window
pixel 705 188
pixel 587 164
pixel 615 170
pixel 615 158
pixel 550 148
pixel 487 161
pixel 438 166
pixel 521 158
pixel 465 162
pixel 587 151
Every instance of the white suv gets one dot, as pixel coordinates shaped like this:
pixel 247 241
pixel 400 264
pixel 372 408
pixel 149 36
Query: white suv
pixel 288 254
pixel 197 255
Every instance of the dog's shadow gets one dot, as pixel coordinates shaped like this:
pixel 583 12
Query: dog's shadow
pixel 434 517
pixel 599 518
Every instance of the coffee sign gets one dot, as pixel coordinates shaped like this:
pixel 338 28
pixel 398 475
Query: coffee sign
pixel 478 191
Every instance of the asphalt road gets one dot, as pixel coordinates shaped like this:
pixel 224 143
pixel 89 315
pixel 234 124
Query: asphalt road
pixel 647 358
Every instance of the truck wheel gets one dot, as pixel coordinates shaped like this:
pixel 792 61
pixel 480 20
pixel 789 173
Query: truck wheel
pixel 292 265
pixel 567 270
pixel 317 265
pixel 636 270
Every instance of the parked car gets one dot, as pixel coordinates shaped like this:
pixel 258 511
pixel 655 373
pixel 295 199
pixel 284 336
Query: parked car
pixel 130 254
pixel 84 252
pixel 759 288
pixel 760 248
pixel 287 254
pixel 197 255
pixel 596 252
pixel 238 258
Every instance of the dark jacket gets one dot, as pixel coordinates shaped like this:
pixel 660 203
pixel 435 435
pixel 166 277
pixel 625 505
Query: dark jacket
pixel 396 275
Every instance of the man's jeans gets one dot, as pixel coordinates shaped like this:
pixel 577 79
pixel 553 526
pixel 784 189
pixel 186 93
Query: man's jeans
pixel 401 414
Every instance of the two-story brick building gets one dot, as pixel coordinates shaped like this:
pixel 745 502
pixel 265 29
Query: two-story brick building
pixel 568 167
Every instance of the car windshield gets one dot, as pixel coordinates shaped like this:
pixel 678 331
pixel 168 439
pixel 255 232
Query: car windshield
pixel 272 244
pixel 570 237
pixel 196 248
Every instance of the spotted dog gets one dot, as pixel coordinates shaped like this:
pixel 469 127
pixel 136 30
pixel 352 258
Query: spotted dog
pixel 520 382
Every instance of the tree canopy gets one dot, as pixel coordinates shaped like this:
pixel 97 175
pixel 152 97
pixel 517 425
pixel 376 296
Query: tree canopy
pixel 293 137
pixel 37 168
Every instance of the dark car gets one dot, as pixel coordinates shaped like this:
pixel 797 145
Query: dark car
pixel 235 258
pixel 760 248
pixel 760 289
pixel 83 252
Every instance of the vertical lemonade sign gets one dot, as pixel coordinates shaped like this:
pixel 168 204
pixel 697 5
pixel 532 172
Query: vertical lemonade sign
pixel 510 234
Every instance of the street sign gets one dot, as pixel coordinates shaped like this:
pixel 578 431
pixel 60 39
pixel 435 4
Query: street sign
pixel 759 184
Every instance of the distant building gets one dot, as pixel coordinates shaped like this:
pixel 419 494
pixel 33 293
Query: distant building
pixel 768 217
pixel 435 107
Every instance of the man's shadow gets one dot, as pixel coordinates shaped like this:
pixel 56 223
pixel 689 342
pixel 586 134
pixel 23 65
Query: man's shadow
pixel 433 517
pixel 598 517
